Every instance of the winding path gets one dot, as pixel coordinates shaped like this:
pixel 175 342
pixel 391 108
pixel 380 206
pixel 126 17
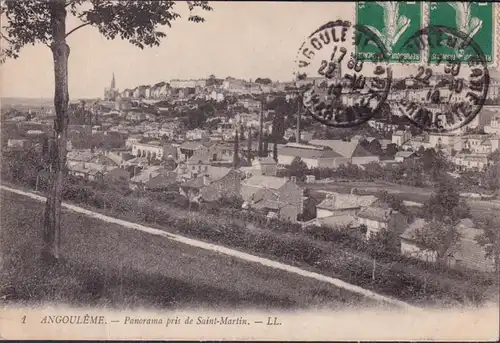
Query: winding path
pixel 223 250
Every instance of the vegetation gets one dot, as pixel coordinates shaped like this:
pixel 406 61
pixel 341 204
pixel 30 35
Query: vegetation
pixel 40 21
pixel 98 269
pixel 490 238
pixel 337 252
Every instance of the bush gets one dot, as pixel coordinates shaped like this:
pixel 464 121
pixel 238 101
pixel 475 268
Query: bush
pixel 400 274
pixel 230 202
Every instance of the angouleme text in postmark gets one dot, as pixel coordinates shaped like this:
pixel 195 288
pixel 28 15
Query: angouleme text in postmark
pixel 340 88
pixel 446 93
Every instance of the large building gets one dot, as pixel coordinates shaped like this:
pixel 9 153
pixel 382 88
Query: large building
pixel 112 92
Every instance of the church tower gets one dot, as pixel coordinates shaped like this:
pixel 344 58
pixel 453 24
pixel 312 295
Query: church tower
pixel 111 92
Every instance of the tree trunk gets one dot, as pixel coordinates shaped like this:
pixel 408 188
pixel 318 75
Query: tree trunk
pixel 275 150
pixel 60 53
pixel 236 148
pixel 261 129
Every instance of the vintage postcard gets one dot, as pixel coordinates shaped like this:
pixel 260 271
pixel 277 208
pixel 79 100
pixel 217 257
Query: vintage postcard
pixel 208 170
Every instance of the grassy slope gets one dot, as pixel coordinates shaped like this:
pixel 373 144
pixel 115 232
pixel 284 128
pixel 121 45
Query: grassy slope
pixel 107 265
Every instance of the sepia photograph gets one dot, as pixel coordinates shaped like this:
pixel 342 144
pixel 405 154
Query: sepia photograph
pixel 254 170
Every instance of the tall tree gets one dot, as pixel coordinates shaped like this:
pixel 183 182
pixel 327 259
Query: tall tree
pixel 489 239
pixel 298 168
pixel 249 147
pixel 492 176
pixel 445 203
pixel 439 236
pixel 42 21
pixel 242 132
pixel 236 149
pixel 265 146
pixel 275 151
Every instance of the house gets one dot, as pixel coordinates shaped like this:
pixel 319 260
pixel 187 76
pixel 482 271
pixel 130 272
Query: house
pixel 139 162
pixel 192 170
pixel 265 166
pixel 273 194
pixel 176 83
pixel 409 245
pixel 79 156
pixel 127 93
pixel 352 151
pixel 466 253
pixel 483 144
pixel 154 150
pixel 17 143
pixel 313 156
pixel 339 210
pixel 401 137
pixel 380 216
pixel 337 204
pixel 196 134
pixel 140 92
pixel 442 141
pixel 201 149
pixel 212 184
pixel 153 178
pixel 335 222
pixel 34 132
pixel 105 160
pixel 471 161
pixel 116 175
pixel 403 155
pixel 251 104
pixel 88 171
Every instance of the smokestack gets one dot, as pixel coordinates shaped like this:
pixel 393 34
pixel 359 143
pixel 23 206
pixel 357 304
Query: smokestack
pixel 261 128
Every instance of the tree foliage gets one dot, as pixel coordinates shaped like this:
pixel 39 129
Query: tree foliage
pixel 298 168
pixel 490 237
pixel 445 203
pixel 42 21
pixel 263 81
pixel 29 22
pixel 492 177
pixel 439 236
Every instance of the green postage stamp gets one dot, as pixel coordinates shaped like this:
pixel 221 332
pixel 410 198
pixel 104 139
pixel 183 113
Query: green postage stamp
pixel 474 19
pixel 395 22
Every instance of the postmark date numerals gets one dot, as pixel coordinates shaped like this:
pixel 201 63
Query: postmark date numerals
pixel 423 75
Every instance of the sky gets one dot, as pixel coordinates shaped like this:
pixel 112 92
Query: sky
pixel 245 40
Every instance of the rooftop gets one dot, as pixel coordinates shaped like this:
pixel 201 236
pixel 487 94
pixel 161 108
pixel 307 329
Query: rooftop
pixel 338 201
pixel 263 181
pixel 345 149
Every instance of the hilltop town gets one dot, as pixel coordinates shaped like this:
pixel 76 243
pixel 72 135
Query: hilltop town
pixel 248 147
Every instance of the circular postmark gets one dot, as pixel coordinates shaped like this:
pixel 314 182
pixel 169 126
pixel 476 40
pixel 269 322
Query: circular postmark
pixel 340 87
pixel 448 91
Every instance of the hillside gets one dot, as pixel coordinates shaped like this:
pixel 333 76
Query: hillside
pixel 108 265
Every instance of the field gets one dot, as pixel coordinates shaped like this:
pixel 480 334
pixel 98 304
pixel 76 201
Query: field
pixel 408 193
pixel 108 265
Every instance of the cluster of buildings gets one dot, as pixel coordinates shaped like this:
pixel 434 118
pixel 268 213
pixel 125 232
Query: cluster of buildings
pixel 469 151
pixel 160 154
pixel 211 88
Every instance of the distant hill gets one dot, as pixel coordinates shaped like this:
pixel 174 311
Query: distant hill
pixel 33 102
pixel 6 101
